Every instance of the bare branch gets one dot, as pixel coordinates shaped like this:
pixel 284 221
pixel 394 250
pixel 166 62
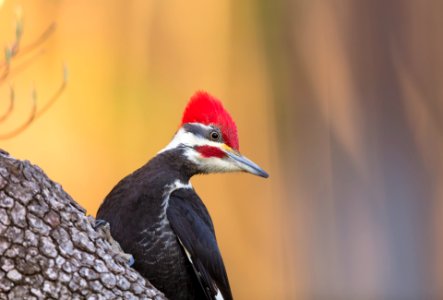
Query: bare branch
pixel 21 67
pixel 8 111
pixel 39 41
pixel 14 52
pixel 25 125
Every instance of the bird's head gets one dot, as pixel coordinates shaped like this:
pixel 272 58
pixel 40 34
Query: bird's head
pixel 208 135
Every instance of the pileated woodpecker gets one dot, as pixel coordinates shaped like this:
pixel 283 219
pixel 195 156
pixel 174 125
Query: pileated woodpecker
pixel 155 214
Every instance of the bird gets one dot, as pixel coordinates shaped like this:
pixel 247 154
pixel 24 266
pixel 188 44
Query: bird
pixel 156 215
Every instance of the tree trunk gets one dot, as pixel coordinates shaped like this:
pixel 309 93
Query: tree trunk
pixel 49 248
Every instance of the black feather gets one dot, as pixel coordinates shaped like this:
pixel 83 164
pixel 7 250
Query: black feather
pixel 191 222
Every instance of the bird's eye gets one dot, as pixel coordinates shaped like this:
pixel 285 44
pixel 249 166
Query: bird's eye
pixel 215 135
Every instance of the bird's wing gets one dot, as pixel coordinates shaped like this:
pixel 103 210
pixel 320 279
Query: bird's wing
pixel 192 224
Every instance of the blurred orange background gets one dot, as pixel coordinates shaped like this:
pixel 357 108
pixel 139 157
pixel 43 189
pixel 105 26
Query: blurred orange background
pixel 340 101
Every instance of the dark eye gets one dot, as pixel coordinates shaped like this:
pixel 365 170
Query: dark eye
pixel 214 135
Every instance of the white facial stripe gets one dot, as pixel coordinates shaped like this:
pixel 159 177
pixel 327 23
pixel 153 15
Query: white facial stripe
pixel 205 164
pixel 211 164
pixel 183 137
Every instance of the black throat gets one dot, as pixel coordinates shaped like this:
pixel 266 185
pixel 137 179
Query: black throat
pixel 142 193
pixel 172 164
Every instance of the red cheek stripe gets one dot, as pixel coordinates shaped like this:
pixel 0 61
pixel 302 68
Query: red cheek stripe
pixel 209 151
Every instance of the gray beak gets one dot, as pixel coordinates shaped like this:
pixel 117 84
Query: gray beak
pixel 247 165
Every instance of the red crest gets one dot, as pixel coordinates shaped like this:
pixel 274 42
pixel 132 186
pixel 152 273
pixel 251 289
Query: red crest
pixel 206 109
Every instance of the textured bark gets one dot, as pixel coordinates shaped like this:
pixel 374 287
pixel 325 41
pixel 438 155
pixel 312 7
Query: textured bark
pixel 49 248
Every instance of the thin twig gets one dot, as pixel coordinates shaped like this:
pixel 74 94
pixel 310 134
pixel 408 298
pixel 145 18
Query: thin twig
pixel 22 66
pixel 10 107
pixel 5 73
pixel 36 114
pixel 42 38
pixel 27 123
pixel 15 51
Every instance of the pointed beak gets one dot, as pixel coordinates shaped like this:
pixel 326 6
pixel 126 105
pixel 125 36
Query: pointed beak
pixel 244 163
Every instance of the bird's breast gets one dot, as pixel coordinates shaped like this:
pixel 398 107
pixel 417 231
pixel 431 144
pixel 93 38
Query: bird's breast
pixel 159 255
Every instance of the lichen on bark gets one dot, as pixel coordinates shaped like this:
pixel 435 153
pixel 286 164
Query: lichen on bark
pixel 49 248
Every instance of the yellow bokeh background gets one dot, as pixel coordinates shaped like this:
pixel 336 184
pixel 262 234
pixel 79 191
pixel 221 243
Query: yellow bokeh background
pixel 132 67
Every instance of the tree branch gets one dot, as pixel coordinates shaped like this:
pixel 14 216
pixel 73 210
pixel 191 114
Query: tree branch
pixel 49 248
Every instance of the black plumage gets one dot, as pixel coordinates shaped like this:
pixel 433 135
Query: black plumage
pixel 191 222
pixel 161 221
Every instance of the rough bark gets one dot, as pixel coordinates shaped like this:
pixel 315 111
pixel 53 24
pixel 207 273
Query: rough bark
pixel 49 248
